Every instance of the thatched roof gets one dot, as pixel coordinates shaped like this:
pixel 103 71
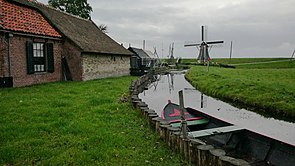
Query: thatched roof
pixel 84 33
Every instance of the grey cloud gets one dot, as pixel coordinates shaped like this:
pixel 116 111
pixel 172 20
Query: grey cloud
pixel 262 28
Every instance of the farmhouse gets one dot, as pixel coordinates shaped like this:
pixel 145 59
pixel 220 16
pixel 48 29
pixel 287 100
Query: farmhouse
pixel 28 55
pixel 81 50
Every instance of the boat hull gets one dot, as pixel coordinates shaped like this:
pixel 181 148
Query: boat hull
pixel 255 148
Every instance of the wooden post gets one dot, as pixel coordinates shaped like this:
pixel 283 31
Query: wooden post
pixel 231 51
pixel 135 100
pixel 178 142
pixel 173 140
pixel 203 154
pixel 143 110
pixel 163 131
pixel 141 104
pixel 154 122
pixel 202 100
pixel 292 56
pixel 183 121
pixel 158 124
pixel 170 138
pixel 181 145
pixel 214 156
pixel 151 121
pixel 186 143
pixel 230 161
pixel 135 92
pixel 193 150
pixel 147 112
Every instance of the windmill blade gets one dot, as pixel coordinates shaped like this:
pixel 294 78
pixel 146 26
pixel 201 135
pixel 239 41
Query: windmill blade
pixel 205 33
pixel 203 29
pixel 155 52
pixel 215 42
pixel 190 45
pixel 216 46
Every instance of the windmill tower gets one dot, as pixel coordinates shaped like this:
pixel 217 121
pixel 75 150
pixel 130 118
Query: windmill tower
pixel 171 51
pixel 158 60
pixel 203 47
pixel 171 56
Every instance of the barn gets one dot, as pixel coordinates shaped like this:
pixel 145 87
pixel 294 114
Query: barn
pixel 141 61
pixel 80 50
pixel 89 53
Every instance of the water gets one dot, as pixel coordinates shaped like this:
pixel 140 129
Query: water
pixel 167 87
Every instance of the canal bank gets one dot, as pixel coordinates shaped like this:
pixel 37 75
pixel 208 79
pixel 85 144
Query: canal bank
pixel 268 91
pixel 150 109
pixel 166 88
pixel 195 151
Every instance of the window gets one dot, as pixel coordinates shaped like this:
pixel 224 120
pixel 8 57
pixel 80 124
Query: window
pixel 40 57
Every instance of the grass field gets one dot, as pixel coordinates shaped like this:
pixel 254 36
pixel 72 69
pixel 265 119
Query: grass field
pixel 269 87
pixel 245 60
pixel 77 123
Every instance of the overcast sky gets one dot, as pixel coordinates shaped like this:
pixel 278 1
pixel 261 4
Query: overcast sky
pixel 258 28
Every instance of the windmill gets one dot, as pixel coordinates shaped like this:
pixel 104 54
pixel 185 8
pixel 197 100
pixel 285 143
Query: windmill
pixel 204 53
pixel 170 56
pixel 158 60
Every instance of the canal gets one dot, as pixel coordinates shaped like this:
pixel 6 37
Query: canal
pixel 167 86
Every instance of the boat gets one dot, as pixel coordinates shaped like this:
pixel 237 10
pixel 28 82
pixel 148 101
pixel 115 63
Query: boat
pixel 196 120
pixel 238 142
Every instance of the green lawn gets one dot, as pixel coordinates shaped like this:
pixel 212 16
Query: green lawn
pixel 272 90
pixel 77 123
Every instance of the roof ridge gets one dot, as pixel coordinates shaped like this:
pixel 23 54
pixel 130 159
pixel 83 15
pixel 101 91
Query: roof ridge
pixel 50 7
pixel 84 33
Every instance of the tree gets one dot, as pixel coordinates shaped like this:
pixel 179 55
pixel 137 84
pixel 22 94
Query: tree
pixel 76 7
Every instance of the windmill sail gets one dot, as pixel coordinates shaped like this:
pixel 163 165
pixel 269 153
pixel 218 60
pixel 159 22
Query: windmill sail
pixel 215 42
pixel 204 53
pixel 188 45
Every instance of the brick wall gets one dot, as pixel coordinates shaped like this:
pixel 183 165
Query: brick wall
pixel 73 57
pixel 100 66
pixel 3 55
pixel 86 67
pixel 19 62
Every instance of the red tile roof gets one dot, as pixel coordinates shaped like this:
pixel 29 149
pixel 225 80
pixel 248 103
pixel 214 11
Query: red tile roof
pixel 23 19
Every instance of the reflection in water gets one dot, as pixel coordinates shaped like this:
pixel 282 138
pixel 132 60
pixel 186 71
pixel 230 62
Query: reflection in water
pixel 170 77
pixel 203 101
pixel 167 86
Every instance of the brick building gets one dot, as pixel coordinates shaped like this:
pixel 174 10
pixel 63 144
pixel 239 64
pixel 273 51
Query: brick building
pixel 72 48
pixel 28 55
